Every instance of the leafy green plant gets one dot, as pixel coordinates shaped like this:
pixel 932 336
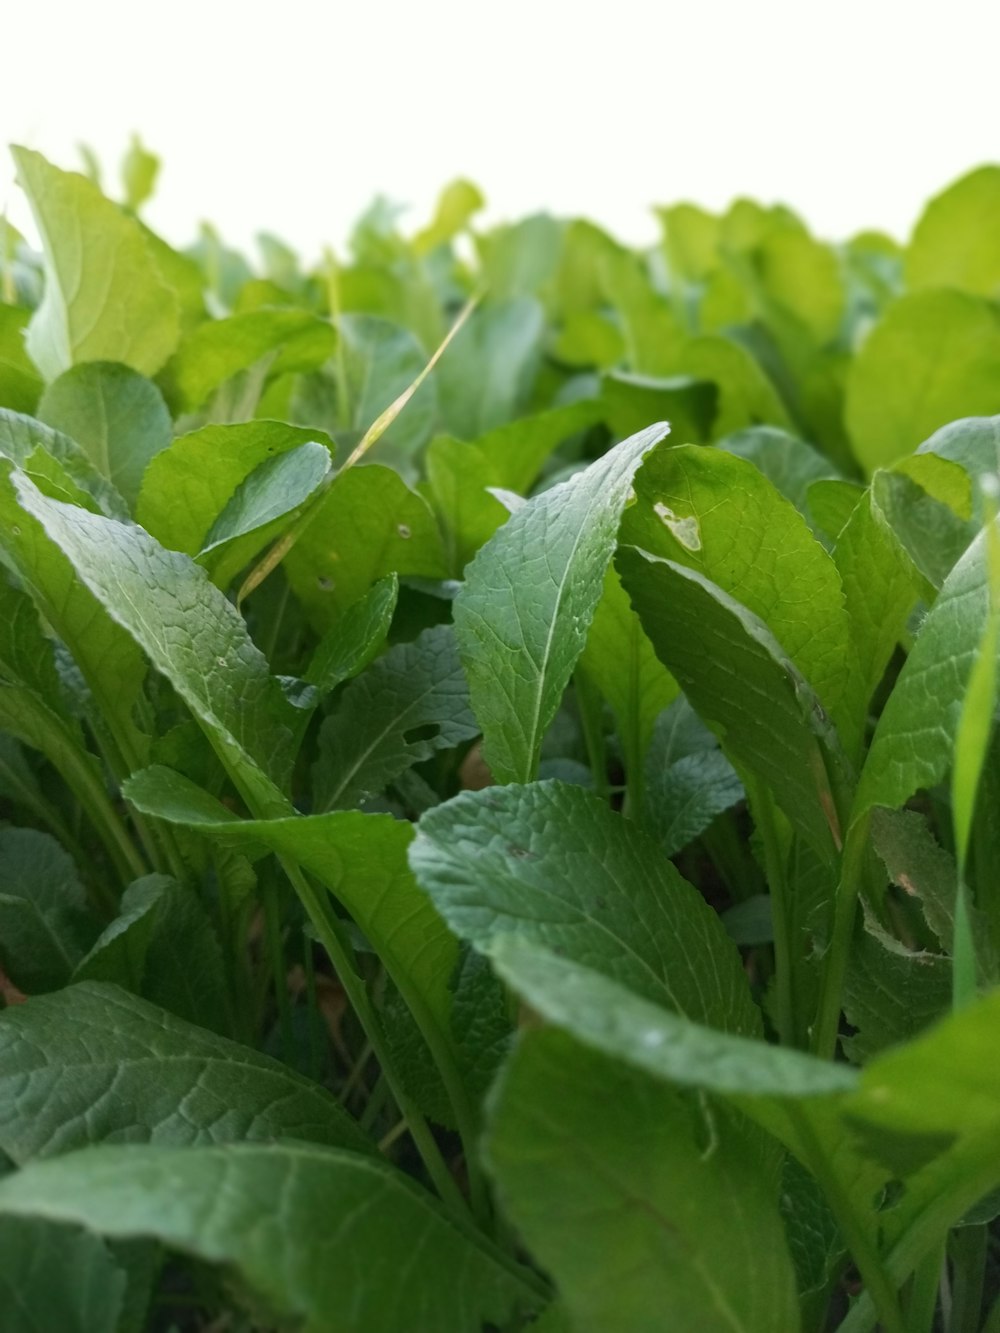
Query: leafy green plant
pixel 497 773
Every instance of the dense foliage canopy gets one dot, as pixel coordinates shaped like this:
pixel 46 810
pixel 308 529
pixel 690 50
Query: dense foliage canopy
pixel 498 789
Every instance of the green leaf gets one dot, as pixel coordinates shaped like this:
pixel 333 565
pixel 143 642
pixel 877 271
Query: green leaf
pixel 620 661
pixel 746 395
pixel 187 487
pixel 24 440
pixel 140 169
pixel 92 1064
pixel 45 925
pixel 691 240
pixel 360 858
pixel 190 632
pixel 20 384
pixel 683 798
pixel 517 451
pixel 528 599
pixel 946 341
pixel 553 864
pixel 631 402
pixel 459 478
pixel 57 1279
pixel 105 299
pixel 207 1201
pixel 485 378
pixel 290 340
pixel 351 644
pixel 163 947
pixel 117 415
pixel 262 505
pixel 380 361
pixel 368 525
pixel 891 994
pixel 790 465
pixel 814 1240
pixel 719 515
pixel 973 443
pixel 802 277
pixel 410 703
pixel 914 741
pixel 520 257
pixel 456 205
pixel 111 664
pixel 609 1017
pixel 606 1172
pixel 741 681
pixel 955 242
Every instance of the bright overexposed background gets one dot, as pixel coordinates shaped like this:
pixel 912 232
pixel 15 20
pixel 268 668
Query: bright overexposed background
pixel 290 116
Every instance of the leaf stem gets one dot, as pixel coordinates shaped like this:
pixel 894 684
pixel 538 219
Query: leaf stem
pixel 876 1279
pixel 852 860
pixel 588 703
pixel 341 955
pixel 775 862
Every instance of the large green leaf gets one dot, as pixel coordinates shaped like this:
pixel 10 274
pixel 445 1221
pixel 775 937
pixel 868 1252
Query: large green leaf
pixel 189 630
pixel 350 645
pixel 111 664
pixel 23 440
pixel 368 525
pixel 606 1173
pixel 746 395
pixel 612 1018
pixel 262 506
pixel 459 482
pixel 914 741
pixel 741 681
pixel 116 414
pixel 619 659
pixel 529 597
pixel 283 340
pixel 720 515
pixel 105 299
pixel 555 865
pixel 948 342
pixel 57 1279
pixel 955 243
pixel 94 1064
pixel 485 378
pixel 380 361
pixel 411 702
pixel 188 486
pixel 267 1211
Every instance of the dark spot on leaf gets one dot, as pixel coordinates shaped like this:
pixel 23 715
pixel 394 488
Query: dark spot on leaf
pixel 522 853
pixel 600 904
pixel 427 732
pixel 325 584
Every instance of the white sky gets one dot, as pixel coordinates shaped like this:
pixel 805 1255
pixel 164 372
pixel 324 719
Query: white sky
pixel 289 115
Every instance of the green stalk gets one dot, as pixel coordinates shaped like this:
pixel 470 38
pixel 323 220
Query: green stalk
pixel 275 946
pixel 88 789
pixel 775 862
pixel 968 1260
pixel 876 1279
pixel 589 706
pixel 831 992
pixel 922 1304
pixel 339 951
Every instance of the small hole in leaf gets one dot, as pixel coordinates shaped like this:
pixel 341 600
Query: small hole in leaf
pixel 403 530
pixel 324 584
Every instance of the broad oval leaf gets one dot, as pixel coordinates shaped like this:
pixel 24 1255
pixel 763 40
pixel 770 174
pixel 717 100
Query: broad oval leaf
pixel 105 298
pixel 391 1257
pixel 555 865
pixel 93 1064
